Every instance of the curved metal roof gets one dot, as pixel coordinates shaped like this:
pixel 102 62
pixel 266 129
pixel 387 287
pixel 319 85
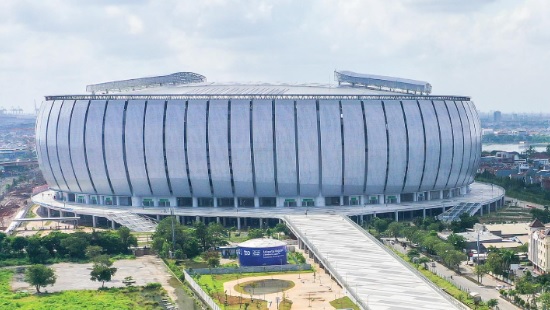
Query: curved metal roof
pixel 383 82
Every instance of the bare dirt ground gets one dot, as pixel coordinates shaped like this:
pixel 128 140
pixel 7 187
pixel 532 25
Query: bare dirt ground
pixel 73 276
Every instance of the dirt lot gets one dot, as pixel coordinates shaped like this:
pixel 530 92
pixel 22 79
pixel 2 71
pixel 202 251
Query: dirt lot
pixel 72 276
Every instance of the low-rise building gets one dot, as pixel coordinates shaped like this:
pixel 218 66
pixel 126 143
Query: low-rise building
pixel 539 246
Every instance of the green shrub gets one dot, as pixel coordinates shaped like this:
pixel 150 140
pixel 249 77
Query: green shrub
pixel 153 286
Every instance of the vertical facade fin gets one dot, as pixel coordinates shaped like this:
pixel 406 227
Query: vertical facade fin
pixel 425 146
pixel 103 147
pixel 144 146
pixel 408 146
pixel 124 148
pixel 387 147
pixel 229 147
pixel 69 146
pixel 251 126
pixel 274 147
pixel 208 149
pixel 440 143
pixel 185 148
pixel 296 149
pixel 84 144
pixel 366 159
pixel 167 172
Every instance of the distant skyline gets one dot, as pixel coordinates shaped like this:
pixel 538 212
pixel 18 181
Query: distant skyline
pixel 494 51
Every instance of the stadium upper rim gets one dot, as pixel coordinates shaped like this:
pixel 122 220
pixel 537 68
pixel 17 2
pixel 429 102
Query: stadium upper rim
pixel 190 86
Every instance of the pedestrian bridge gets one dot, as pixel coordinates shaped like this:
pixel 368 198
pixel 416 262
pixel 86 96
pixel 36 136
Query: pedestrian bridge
pixel 372 275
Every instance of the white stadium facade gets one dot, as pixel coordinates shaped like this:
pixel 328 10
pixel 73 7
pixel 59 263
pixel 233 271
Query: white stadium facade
pixel 321 158
pixel 258 145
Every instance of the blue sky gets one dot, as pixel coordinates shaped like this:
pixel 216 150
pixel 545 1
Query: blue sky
pixel 497 52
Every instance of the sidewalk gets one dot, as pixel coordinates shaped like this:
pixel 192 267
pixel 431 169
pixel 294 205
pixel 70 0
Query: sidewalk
pixel 486 291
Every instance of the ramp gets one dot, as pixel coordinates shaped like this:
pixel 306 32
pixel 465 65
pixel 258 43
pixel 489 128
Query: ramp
pixel 371 274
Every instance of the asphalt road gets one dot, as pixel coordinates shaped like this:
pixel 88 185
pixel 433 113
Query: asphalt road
pixel 487 291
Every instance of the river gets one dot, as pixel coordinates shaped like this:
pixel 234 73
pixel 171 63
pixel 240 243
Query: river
pixel 512 147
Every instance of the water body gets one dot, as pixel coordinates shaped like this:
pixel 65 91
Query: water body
pixel 512 147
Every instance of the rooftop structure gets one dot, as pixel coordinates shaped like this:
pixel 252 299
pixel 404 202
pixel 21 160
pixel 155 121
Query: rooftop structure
pixel 381 82
pixel 177 78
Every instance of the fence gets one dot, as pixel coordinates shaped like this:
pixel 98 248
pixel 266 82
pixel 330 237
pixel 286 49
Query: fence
pixel 250 269
pixel 200 292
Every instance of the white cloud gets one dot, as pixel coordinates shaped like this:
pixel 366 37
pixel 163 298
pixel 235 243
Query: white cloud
pixel 494 51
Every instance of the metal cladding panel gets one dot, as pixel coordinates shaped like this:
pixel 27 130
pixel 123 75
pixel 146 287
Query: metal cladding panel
pixel 446 145
pixel 94 146
pixel 397 147
pixel 476 139
pixel 331 147
pixel 51 139
pixel 287 181
pixel 458 144
pixel 63 145
pixel 263 147
pixel 135 157
pixel 377 146
pixel 175 147
pixel 219 148
pixel 241 152
pixel 113 147
pixel 308 147
pixel 154 154
pixel 196 148
pixel 433 145
pixel 43 159
pixel 354 147
pixel 415 132
pixel 262 256
pixel 467 166
pixel 77 146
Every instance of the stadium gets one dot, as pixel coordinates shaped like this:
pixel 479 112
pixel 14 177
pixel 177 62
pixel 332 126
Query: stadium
pixel 321 158
pixel 178 140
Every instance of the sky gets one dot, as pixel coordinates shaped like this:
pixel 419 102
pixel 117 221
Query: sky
pixel 497 52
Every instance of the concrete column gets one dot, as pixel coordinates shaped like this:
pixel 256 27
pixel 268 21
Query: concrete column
pixel 245 224
pixel 49 212
pixel 195 201
pixel 217 219
pixel 215 202
pixel 441 194
pixel 261 223
pixel 424 213
pixel 87 199
pixel 155 202
pixel 257 202
pixel 117 200
pixel 415 197
pixel 320 201
pixel 158 217
pixel 223 221
pixel 381 199
pixel 341 200
pixel 173 201
pixel 397 216
pixel 113 224
pixel 61 214
pixel 136 201
pixel 238 223
pixel 94 221
pixel 178 218
pixel 442 209
pixel 197 218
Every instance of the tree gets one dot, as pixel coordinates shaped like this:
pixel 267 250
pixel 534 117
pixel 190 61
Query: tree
pixel 480 271
pixel 457 241
pixel 93 251
pixel 255 233
pixel 102 270
pixel 75 246
pixel 37 253
pixel 395 229
pixel 201 233
pixel 544 299
pixel 40 276
pixel 380 224
pixel 212 258
pixel 126 237
pixel 453 259
pixel 492 303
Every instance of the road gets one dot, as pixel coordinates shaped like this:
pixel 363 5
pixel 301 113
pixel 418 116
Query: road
pixel 487 291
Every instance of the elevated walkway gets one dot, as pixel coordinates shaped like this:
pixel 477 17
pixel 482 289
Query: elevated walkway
pixel 372 275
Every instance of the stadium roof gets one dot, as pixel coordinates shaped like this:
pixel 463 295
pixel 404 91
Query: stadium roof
pixel 383 82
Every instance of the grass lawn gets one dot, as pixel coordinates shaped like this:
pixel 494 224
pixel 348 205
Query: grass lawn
pixel 119 298
pixel 344 303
